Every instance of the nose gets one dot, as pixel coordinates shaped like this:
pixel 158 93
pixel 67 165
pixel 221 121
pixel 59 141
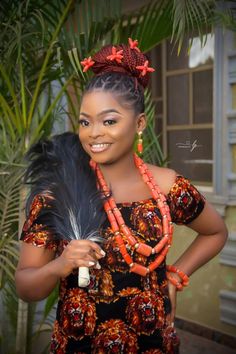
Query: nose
pixel 96 131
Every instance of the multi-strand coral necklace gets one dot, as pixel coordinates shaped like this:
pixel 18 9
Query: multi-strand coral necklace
pixel 120 229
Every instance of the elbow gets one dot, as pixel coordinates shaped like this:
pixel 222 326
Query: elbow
pixel 223 235
pixel 21 290
pixel 24 290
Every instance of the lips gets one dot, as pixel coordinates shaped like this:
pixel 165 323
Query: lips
pixel 99 147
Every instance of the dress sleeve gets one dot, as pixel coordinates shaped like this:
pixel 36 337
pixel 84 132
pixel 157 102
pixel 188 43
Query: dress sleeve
pixel 185 201
pixel 33 232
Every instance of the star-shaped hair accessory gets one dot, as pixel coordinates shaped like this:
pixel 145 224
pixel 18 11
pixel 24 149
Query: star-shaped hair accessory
pixel 133 44
pixel 145 68
pixel 116 55
pixel 87 63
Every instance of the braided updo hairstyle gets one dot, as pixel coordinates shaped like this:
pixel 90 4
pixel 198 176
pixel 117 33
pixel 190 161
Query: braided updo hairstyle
pixel 122 78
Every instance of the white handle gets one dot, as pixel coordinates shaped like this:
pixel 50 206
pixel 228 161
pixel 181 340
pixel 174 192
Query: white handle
pixel 83 277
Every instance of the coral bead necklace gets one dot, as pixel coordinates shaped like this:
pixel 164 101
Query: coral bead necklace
pixel 120 229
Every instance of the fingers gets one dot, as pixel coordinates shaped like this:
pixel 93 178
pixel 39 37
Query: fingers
pixel 97 249
pixel 87 246
pixel 83 253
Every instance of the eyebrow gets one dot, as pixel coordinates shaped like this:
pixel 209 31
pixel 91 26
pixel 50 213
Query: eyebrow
pixel 102 113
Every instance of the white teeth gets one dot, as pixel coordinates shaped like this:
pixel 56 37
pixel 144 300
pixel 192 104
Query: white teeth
pixel 99 145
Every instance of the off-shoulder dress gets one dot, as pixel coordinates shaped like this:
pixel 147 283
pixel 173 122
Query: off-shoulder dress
pixel 119 312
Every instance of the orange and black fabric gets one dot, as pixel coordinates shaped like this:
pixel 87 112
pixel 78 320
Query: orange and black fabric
pixel 119 312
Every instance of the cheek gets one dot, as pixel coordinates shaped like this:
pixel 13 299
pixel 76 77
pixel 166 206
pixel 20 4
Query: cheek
pixel 82 135
pixel 83 138
pixel 124 131
pixel 127 135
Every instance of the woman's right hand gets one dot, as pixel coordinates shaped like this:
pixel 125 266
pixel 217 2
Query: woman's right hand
pixel 78 253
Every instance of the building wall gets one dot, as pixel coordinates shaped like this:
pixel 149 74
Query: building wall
pixel 200 301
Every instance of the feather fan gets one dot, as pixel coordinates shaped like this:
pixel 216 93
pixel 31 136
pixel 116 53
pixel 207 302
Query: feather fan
pixel 60 168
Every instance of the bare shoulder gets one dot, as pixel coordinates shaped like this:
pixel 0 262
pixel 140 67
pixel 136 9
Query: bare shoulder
pixel 164 177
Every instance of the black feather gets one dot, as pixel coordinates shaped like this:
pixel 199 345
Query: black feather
pixel 60 168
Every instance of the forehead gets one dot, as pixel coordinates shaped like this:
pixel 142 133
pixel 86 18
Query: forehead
pixel 98 101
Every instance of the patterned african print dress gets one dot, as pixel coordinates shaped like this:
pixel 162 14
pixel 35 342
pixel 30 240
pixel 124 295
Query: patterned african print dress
pixel 119 312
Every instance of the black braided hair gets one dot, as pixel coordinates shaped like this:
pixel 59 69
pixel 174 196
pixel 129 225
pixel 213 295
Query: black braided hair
pixel 125 88
pixel 122 79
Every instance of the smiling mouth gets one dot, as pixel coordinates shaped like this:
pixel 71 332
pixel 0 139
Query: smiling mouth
pixel 99 147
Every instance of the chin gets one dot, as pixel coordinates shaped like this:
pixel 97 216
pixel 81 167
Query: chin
pixel 102 160
pixel 102 157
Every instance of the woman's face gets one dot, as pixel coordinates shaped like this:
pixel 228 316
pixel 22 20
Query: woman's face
pixel 107 128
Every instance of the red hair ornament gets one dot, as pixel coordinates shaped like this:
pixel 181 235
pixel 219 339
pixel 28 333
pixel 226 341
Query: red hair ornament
pixel 133 44
pixel 87 63
pixel 116 55
pixel 145 68
pixel 123 58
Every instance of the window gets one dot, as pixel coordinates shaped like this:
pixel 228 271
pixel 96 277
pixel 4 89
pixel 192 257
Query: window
pixel 182 87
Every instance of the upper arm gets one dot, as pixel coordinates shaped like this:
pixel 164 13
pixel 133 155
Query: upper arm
pixel 208 222
pixel 34 257
pixel 38 246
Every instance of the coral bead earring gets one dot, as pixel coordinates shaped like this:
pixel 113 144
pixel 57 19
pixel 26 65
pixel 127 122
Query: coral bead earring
pixel 140 143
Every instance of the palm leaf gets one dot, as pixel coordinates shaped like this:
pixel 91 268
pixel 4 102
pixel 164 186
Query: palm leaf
pixel 9 218
pixel 162 19
pixel 152 149
pixel 93 26
pixel 197 15
pixel 90 24
pixel 10 182
pixel 46 60
pixel 225 15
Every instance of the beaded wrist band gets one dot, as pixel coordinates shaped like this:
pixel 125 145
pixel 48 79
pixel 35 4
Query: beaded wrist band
pixel 184 278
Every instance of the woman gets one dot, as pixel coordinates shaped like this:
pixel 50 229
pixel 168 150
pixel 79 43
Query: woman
pixel 129 306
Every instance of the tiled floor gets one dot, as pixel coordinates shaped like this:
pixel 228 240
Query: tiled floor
pixel 192 344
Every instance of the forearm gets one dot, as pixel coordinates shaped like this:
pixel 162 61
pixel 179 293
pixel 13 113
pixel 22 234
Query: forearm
pixel 34 284
pixel 201 250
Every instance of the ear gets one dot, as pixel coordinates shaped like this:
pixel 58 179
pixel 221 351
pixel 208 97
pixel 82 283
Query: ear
pixel 141 122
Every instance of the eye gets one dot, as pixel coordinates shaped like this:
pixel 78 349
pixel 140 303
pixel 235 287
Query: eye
pixel 83 122
pixel 110 121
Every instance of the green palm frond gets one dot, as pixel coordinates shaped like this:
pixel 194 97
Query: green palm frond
pixel 10 301
pixel 10 181
pixel 152 149
pixel 149 25
pixel 89 27
pixel 162 19
pixel 8 318
pixel 11 172
pixel 41 321
pixel 90 23
pixel 226 16
pixel 29 24
pixel 20 103
pixel 192 16
pixel 8 258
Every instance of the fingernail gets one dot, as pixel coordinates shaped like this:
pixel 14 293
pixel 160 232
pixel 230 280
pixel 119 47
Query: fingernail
pixel 91 263
pixel 98 266
pixel 103 253
pixel 172 324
